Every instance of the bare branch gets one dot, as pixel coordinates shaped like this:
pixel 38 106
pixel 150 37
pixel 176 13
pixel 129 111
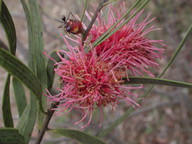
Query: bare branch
pixel 100 6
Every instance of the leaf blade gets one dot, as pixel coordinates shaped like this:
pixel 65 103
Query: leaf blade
pixel 20 96
pixel 36 60
pixel 16 68
pixel 50 69
pixel 36 51
pixel 156 81
pixel 9 27
pixel 10 136
pixel 28 118
pixel 78 135
pixel 6 106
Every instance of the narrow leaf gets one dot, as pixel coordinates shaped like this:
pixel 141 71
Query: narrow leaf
pixel 36 48
pixel 27 121
pixel 9 28
pixel 36 51
pixel 6 108
pixel 23 118
pixel 78 135
pixel 10 136
pixel 157 81
pixel 16 68
pixel 172 58
pixel 36 61
pixel 50 69
pixel 20 96
pixel 177 50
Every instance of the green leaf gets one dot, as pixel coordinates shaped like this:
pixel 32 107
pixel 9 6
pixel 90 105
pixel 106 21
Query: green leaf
pixel 23 119
pixel 20 96
pixel 157 81
pixel 27 121
pixel 10 136
pixel 36 46
pixel 50 69
pixel 36 60
pixel 177 50
pixel 16 68
pixel 37 52
pixel 9 28
pixel 172 58
pixel 6 108
pixel 78 135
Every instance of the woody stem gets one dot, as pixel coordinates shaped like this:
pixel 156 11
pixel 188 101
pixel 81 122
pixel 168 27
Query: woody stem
pixel 46 122
pixel 100 6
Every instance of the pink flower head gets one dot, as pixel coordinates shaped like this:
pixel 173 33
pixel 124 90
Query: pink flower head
pixel 129 44
pixel 95 79
pixel 89 82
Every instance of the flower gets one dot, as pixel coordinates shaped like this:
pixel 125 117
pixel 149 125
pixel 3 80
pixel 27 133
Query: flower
pixel 95 79
pixel 129 44
pixel 89 82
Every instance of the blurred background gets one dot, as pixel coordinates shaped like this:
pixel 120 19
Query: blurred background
pixel 166 114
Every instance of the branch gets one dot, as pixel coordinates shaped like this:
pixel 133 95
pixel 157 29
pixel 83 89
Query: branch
pixel 100 6
pixel 46 122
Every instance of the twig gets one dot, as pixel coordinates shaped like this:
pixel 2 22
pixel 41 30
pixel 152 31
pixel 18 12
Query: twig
pixel 100 6
pixel 46 122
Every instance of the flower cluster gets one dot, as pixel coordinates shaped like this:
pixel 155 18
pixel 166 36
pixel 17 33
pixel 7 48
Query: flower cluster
pixel 95 79
pixel 129 45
